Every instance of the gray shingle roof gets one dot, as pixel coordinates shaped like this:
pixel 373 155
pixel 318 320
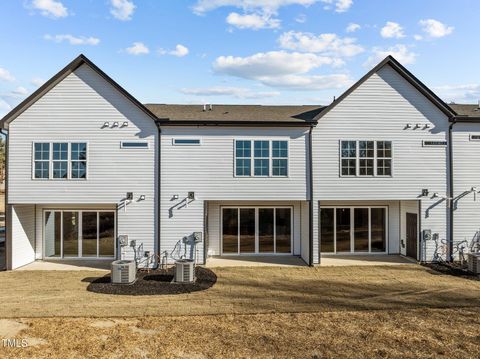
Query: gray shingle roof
pixel 235 114
pixel 471 110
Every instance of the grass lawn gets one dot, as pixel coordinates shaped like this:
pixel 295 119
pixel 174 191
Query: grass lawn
pixel 350 312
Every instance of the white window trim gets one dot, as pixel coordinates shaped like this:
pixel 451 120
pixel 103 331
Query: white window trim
pixel 50 161
pixel 80 233
pixel 174 143
pixel 352 227
pixel 252 157
pixel 135 148
pixel 257 252
pixel 357 159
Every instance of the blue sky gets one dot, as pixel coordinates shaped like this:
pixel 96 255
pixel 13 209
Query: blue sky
pixel 239 51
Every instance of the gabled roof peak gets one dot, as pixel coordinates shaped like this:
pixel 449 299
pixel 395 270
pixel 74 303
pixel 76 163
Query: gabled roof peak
pixel 407 75
pixel 47 86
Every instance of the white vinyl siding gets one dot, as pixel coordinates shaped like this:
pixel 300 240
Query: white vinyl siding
pixel 379 110
pixel 466 174
pixel 77 108
pixel 209 171
pixel 22 235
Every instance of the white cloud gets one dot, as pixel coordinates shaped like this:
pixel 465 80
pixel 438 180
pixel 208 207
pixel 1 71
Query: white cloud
pixel 122 9
pixel 340 5
pixel 392 30
pixel 50 8
pixel 273 63
pixel 180 51
pixel 459 93
pixel 326 44
pixel 301 18
pixel 282 69
pixel 37 81
pixel 418 37
pixel 5 75
pixel 352 27
pixel 238 92
pixel 265 6
pixel 20 90
pixel 435 29
pixel 73 40
pixel 399 52
pixel 138 48
pixel 252 21
pixel 311 82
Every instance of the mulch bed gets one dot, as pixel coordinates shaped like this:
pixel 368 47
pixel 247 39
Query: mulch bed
pixel 156 282
pixel 454 269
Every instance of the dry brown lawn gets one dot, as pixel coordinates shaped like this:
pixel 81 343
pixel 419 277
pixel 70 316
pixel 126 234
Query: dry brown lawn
pixel 343 312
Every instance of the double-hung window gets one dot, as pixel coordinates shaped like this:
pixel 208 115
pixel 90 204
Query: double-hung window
pixel 60 160
pixel 79 160
pixel 261 158
pixel 366 158
pixel 279 158
pixel 42 160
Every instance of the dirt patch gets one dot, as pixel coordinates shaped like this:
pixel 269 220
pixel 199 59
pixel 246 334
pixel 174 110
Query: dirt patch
pixel 453 269
pixel 155 282
pixel 11 328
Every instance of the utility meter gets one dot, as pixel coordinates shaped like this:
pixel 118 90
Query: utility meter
pixel 427 234
pixel 123 240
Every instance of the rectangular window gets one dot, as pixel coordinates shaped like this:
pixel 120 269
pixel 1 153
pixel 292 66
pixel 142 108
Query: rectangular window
pixel 280 158
pixel 125 144
pixel 186 141
pixel 261 158
pixel 79 233
pixel 255 230
pixel 79 160
pixel 366 158
pixel 474 137
pixel 42 160
pixel 353 229
pixel 268 158
pixel 60 160
pixel 243 158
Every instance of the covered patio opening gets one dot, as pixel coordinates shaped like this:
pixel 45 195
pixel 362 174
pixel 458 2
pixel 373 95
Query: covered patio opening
pixel 263 232
pixel 365 229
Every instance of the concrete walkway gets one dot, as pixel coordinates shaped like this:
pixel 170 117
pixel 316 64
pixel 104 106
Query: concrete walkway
pixel 92 265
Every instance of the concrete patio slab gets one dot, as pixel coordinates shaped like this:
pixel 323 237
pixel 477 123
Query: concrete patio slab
pixel 255 261
pixel 75 265
pixel 364 260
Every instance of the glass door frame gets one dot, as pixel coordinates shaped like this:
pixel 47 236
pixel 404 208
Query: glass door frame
pixel 352 227
pixel 80 233
pixel 257 252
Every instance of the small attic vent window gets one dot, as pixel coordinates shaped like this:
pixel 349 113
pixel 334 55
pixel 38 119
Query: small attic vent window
pixel 434 143
pixel 474 137
pixel 137 144
pixel 186 141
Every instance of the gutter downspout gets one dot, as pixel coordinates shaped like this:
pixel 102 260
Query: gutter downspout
pixel 310 195
pixel 159 199
pixel 451 192
pixel 7 216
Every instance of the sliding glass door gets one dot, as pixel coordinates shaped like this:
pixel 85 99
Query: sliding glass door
pixel 79 234
pixel 353 229
pixel 257 230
